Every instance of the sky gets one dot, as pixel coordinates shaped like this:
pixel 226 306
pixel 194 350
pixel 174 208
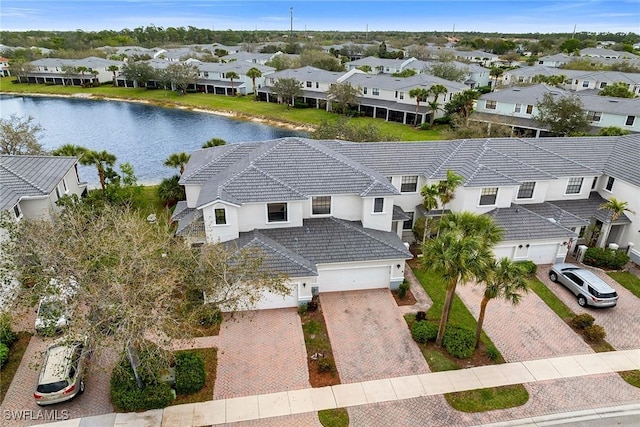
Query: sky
pixel 501 16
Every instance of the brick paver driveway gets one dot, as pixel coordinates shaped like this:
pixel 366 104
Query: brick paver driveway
pixel 527 331
pixel 622 323
pixel 369 337
pixel 94 401
pixel 261 352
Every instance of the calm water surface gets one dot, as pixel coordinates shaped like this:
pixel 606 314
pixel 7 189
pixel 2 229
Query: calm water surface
pixel 139 134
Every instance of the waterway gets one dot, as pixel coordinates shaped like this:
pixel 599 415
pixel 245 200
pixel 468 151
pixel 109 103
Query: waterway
pixel 142 135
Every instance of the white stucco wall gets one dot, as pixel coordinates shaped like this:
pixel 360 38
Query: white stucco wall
pixel 375 220
pixel 254 215
pixel 556 189
pixel 629 193
pixel 218 232
pixel 192 192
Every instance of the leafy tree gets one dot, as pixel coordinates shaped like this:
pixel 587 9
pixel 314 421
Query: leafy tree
pixel 283 62
pixel 21 68
pixel 462 102
pixel 505 279
pixel 554 80
pixel 348 130
pixel 365 68
pixel 170 191
pixel 253 73
pixel 563 115
pixel 102 160
pixel 287 89
pixel 462 251
pixel 181 75
pixel 213 142
pixel 570 45
pixel 19 136
pixel 344 96
pixel 138 72
pixel 420 94
pixel 618 90
pixel 613 131
pixel 461 128
pixel 177 160
pixel 232 75
pixel 320 59
pixel 448 71
pixel 407 72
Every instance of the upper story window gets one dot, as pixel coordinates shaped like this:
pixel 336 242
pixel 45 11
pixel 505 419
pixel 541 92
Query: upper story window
pixel 58 195
pixel 409 184
pixel 490 105
pixel 585 83
pixel 401 95
pixel 317 85
pixel 321 205
pixel 220 216
pixel 529 109
pixel 277 212
pixel 309 84
pixel 64 185
pixel 365 90
pixel 594 183
pixel 603 85
pixel 375 91
pixel 594 116
pixel 518 108
pixel 630 120
pixel 610 182
pixel 378 205
pixel 526 190
pixel 574 186
pixel 17 211
pixel 488 196
pixel 408 224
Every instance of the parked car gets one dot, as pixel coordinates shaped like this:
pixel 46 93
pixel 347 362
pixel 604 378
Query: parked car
pixel 54 312
pixel 62 374
pixel 585 285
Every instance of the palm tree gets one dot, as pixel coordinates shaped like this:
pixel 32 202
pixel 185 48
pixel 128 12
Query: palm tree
pixel 114 69
pixel 436 91
pixel 430 195
pixel 101 160
pixel 253 73
pixel 496 73
pixel 214 142
pixel 420 94
pixel 232 75
pixel 506 280
pixel 177 160
pixel 447 187
pixel 616 209
pixel 81 69
pixel 70 150
pixel 462 251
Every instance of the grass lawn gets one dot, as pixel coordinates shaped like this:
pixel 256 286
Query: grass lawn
pixel 334 417
pixel 316 341
pixel 546 295
pixel 11 366
pixel 210 357
pixel 241 107
pixel 632 377
pixel 488 399
pixel 628 280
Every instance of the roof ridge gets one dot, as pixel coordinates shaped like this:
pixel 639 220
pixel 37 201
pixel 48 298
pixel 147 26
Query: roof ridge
pixel 556 223
pixel 275 246
pixel 531 143
pixel 361 230
pixel 520 162
pixel 23 178
pixel 448 157
pixel 233 147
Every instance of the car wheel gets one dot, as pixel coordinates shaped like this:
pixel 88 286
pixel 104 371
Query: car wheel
pixel 582 301
pixel 553 276
pixel 81 386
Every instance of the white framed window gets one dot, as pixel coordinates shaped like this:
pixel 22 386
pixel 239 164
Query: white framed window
pixel 317 85
pixel 594 116
pixel 610 182
pixel 630 120
pixel 277 212
pixel 309 84
pixel 58 195
pixel 574 185
pixel 64 186
pixel 408 224
pixel 375 91
pixel 529 109
pixel 365 90
pixel 401 95
pixel 603 85
pixel 409 184
pixel 321 205
pixel 220 215
pixel 17 211
pixel 488 196
pixel 378 205
pixel 518 108
pixel 526 190
pixel 490 105
pixel 594 183
pixel 585 83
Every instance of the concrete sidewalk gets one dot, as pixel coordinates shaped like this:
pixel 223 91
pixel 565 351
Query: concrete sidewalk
pixel 392 389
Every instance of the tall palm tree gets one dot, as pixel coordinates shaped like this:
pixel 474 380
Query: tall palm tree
pixel 616 208
pixel 420 94
pixel 430 195
pixel 506 280
pixel 114 69
pixel 177 160
pixel 253 73
pixel 214 142
pixel 82 69
pixel 447 187
pixel 436 91
pixel 232 75
pixel 70 150
pixel 462 251
pixel 101 160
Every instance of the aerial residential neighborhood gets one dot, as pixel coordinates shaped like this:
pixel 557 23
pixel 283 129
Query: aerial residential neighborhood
pixel 287 217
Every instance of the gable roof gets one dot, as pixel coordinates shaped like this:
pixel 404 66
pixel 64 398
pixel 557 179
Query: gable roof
pixel 30 176
pixel 519 223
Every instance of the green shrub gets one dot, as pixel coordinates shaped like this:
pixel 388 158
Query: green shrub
pixel 402 289
pixel 209 314
pixel 582 321
pixel 325 364
pixel 594 333
pixel 302 309
pixel 445 120
pixel 7 336
pixel 4 353
pixel 459 342
pixel 492 353
pixel 528 267
pixel 126 396
pixel 605 258
pixel 190 372
pixel 425 126
pixel 424 331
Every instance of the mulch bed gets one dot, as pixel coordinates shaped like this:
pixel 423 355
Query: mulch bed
pixel 408 299
pixel 317 378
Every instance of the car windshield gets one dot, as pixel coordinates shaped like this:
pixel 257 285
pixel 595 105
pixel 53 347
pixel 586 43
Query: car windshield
pixel 52 387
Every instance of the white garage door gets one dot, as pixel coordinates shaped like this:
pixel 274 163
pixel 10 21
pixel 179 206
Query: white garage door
pixel 543 254
pixel 270 300
pixel 503 252
pixel 351 279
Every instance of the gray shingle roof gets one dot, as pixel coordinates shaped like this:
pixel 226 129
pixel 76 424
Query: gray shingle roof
pixel 519 223
pixel 589 208
pixel 559 215
pixel 30 176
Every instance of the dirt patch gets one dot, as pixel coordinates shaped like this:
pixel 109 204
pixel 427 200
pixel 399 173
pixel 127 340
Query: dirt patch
pixel 408 299
pixel 318 346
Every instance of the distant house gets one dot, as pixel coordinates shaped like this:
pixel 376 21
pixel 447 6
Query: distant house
pixel 31 185
pixel 4 67
pixel 68 72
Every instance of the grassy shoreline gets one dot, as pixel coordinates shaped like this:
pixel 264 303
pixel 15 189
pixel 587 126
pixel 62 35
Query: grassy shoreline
pixel 239 108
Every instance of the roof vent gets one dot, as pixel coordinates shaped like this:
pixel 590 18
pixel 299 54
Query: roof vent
pixel 516 90
pixel 613 100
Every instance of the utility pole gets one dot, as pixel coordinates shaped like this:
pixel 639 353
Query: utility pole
pixel 291 14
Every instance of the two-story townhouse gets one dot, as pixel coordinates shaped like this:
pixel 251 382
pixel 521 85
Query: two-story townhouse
pixel 476 75
pixel 254 58
pixel 598 80
pixel 306 202
pixel 380 65
pixel 516 107
pixel 323 219
pixel 601 52
pixel 214 77
pixel 555 60
pixel 525 75
pixel 74 72
pixel 31 185
pixel 487 59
